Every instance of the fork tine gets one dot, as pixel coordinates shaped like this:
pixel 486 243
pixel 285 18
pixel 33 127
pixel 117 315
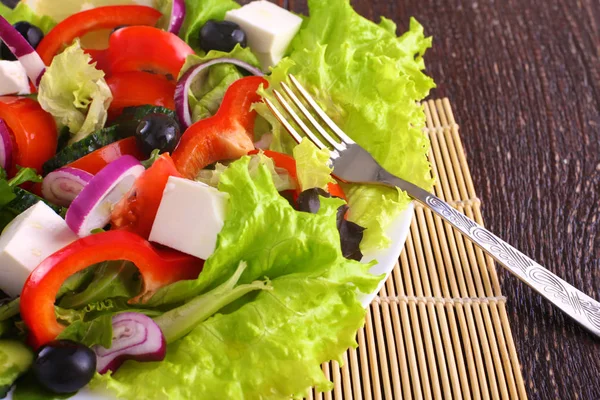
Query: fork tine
pixel 299 121
pixel 288 127
pixel 328 121
pixel 313 121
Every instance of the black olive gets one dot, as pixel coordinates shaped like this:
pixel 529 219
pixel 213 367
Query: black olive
pixel 222 36
pixel 64 366
pixel 10 3
pixel 31 33
pixel 158 131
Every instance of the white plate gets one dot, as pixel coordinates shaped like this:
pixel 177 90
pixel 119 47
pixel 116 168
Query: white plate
pixel 386 259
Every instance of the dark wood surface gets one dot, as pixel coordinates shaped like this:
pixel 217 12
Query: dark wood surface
pixel 523 77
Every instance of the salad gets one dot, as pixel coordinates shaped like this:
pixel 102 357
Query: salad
pixel 162 235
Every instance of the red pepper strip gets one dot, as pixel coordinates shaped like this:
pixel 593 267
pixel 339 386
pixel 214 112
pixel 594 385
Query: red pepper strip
pixel 33 130
pixel 100 57
pixel 289 164
pixel 157 267
pixel 143 48
pixel 100 158
pixel 225 136
pixel 79 24
pixel 137 209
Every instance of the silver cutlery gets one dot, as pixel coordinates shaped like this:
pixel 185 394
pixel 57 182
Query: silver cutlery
pixel 351 163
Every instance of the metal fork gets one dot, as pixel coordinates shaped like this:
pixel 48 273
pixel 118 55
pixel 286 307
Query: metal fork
pixel 351 163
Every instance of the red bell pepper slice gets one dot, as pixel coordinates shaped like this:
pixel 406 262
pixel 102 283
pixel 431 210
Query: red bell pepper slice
pixel 225 136
pixel 100 57
pixel 34 132
pixel 79 24
pixel 157 268
pixel 137 209
pixel 143 48
pixel 289 164
pixel 137 89
pixel 100 158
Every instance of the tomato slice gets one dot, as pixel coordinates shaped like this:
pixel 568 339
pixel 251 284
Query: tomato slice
pixel 289 164
pixel 143 48
pixel 34 132
pixel 137 210
pixel 77 25
pixel 97 160
pixel 139 88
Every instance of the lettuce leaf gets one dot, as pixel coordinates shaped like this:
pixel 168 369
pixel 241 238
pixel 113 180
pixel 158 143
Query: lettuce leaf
pixel 22 12
pixel 75 92
pixel 312 166
pixel 369 82
pixel 252 348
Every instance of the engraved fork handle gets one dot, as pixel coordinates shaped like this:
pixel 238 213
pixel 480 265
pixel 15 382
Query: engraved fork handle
pixel 579 306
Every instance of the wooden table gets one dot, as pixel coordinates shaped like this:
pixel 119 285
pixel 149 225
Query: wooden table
pixel 524 80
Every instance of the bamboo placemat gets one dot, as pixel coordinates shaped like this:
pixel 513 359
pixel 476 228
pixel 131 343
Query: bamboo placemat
pixel 438 329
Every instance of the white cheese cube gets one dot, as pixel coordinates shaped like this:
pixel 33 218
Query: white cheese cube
pixel 269 28
pixel 27 241
pixel 13 78
pixel 189 218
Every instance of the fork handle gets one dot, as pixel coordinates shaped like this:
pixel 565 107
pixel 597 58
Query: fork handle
pixel 579 306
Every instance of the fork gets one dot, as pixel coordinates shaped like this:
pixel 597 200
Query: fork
pixel 353 164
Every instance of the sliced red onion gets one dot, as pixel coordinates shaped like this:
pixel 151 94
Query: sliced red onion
pixel 135 337
pixel 6 146
pixel 182 90
pixel 92 207
pixel 29 58
pixel 63 185
pixel 177 16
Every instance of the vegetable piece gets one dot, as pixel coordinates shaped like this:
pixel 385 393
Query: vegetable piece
pixel 158 131
pixel 180 321
pixel 92 20
pixel 143 48
pixel 34 132
pixel 75 93
pixel 6 146
pixel 221 36
pixel 22 12
pixel 137 209
pixel 75 151
pixel 139 88
pixel 92 207
pixel 157 268
pixel 99 59
pixel 177 16
pixel 312 165
pixel 98 159
pixel 191 77
pixel 63 185
pixel 32 34
pixel 226 135
pixel 64 366
pixel 22 49
pixel 15 359
pixel 22 202
pixel 135 337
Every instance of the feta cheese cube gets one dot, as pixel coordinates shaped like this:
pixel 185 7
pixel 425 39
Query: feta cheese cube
pixel 189 218
pixel 269 28
pixel 13 78
pixel 27 241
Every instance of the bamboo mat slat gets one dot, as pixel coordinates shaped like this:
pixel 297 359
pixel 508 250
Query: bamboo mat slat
pixel 438 329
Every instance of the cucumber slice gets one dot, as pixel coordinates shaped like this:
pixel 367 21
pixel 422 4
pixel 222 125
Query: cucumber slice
pixel 15 359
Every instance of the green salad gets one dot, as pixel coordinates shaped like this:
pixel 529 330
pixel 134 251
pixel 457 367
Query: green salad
pixel 163 236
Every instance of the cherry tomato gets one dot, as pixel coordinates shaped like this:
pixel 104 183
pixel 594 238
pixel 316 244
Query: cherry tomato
pixel 34 132
pixel 138 88
pixel 97 160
